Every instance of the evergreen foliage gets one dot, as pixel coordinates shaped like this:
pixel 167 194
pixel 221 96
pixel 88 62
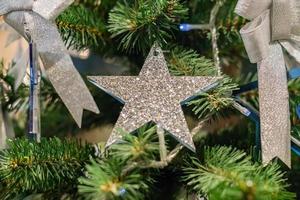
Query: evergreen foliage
pixel 52 165
pixel 128 170
pixel 105 180
pixel 142 147
pixel 141 23
pixel 210 104
pixel 227 173
pixel 187 62
pixel 121 174
pixel 81 32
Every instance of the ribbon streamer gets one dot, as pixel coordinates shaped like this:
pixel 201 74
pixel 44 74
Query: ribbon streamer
pixel 272 28
pixel 35 21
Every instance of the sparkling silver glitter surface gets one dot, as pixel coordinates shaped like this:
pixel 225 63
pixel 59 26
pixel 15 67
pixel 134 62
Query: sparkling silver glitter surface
pixel 7 6
pixel 274 107
pixel 50 9
pixel 53 53
pixel 154 96
pixel 271 23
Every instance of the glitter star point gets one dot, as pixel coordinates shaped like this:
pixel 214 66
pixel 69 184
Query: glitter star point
pixel 153 96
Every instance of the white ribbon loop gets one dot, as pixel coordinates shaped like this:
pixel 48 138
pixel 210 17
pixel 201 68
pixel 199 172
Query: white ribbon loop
pixel 251 9
pixel 256 37
pixel 271 21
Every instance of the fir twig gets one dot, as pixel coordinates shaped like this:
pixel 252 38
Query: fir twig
pixel 143 149
pixel 105 181
pixel 210 103
pixel 227 173
pixel 183 62
pixel 81 28
pixel 51 165
pixel 142 23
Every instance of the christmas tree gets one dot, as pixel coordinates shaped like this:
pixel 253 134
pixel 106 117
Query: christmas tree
pixel 228 155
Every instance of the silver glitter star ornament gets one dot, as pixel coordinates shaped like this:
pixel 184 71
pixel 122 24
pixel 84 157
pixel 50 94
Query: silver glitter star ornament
pixel 34 20
pixel 153 96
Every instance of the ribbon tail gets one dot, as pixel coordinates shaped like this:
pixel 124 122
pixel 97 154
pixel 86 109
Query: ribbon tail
pixel 56 61
pixel 274 106
pixel 59 67
pixel 70 87
pixel 18 72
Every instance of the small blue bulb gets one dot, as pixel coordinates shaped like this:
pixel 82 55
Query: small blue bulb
pixel 122 191
pixel 185 27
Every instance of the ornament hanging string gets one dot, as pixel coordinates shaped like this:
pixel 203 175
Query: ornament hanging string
pixel 31 134
pixel 34 102
pixel 212 27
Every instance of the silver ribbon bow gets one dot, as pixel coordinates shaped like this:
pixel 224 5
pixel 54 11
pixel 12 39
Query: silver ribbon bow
pixel 273 26
pixel 34 20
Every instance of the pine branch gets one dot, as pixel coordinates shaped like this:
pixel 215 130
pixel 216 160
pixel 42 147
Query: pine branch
pixel 118 176
pixel 211 103
pixel 143 150
pixel 124 172
pixel 140 24
pixel 224 173
pixel 189 63
pixel 228 23
pixel 81 28
pixel 183 62
pixel 142 147
pixel 105 180
pixel 51 165
pixel 227 173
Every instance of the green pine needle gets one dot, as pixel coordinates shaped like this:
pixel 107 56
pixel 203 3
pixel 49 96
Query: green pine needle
pixel 142 147
pixel 227 173
pixel 81 28
pixel 140 24
pixel 183 62
pixel 105 180
pixel 29 167
pixel 212 102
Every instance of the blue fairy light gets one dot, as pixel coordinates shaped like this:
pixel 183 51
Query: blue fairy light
pixel 122 191
pixel 185 27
